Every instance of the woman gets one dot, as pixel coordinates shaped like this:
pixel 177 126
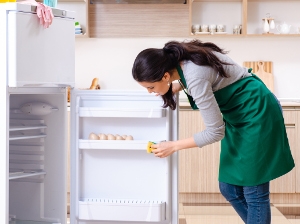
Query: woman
pixel 236 107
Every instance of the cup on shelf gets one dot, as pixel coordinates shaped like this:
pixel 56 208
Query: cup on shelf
pixel 237 29
pixel 212 28
pixel 195 28
pixel 220 28
pixel 204 28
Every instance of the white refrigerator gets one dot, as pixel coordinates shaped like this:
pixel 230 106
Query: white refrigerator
pixel 112 181
pixel 36 65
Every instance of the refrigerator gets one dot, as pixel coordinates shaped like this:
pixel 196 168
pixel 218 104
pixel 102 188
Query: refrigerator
pixel 36 66
pixel 112 181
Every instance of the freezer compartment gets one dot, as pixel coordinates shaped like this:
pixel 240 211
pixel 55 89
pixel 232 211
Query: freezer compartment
pixel 37 157
pixel 28 42
pixel 122 209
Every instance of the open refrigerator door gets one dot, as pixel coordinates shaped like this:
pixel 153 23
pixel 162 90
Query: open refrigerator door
pixel 117 181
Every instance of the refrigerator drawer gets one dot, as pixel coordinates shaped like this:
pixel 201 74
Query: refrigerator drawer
pixel 122 210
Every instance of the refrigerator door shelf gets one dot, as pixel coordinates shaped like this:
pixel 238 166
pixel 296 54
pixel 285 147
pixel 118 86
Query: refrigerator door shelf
pixel 122 112
pixel 122 210
pixel 140 145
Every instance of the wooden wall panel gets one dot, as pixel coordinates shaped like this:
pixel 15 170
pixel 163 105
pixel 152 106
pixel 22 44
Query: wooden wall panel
pixel 138 20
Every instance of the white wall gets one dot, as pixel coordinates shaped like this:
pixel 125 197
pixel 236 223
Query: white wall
pixel 111 59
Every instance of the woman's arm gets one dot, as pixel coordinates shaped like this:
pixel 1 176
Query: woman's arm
pixel 164 149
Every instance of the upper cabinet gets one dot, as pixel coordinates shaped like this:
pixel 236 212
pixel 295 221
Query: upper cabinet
pixel 215 17
pixel 244 17
pixel 81 16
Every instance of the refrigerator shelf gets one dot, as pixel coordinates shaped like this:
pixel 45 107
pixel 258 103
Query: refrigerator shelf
pixel 114 144
pixel 17 221
pixel 122 112
pixel 21 128
pixel 23 174
pixel 19 137
pixel 122 210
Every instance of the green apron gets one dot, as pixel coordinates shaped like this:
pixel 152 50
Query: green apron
pixel 255 148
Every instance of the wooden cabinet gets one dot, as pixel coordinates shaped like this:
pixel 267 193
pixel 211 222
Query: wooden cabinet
pixel 198 167
pixel 248 13
pixel 287 183
pixel 176 20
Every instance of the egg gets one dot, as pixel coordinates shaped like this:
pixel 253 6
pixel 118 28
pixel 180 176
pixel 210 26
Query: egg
pixel 111 137
pixel 124 136
pixel 93 136
pixel 102 136
pixel 129 137
pixel 118 137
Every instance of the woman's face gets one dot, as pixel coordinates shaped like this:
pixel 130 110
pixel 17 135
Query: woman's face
pixel 160 88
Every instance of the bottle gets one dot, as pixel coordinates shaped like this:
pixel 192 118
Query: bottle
pixel 272 24
pixel 50 3
pixel 266 26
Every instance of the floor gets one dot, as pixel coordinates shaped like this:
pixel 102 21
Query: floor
pixel 223 214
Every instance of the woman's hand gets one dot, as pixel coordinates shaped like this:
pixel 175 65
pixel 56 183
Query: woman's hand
pixel 163 149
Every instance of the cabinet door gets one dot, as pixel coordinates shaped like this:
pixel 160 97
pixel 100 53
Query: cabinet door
pixel 297 150
pixel 198 167
pixel 287 183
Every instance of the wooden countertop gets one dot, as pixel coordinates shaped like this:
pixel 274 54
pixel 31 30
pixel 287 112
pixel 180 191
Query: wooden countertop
pixel 285 103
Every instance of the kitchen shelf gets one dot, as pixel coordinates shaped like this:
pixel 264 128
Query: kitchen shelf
pixel 114 144
pixel 248 13
pixel 122 210
pixel 122 112
pixel 23 174
pixel 19 137
pixel 20 128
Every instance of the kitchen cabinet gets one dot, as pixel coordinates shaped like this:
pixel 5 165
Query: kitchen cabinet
pixel 198 167
pixel 248 13
pixel 81 16
pixel 176 20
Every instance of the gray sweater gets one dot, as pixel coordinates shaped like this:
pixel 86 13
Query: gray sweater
pixel 201 82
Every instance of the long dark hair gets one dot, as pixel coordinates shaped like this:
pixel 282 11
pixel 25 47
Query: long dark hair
pixel 151 64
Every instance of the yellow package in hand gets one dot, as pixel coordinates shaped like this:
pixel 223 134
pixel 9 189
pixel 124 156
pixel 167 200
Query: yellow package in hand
pixel 149 149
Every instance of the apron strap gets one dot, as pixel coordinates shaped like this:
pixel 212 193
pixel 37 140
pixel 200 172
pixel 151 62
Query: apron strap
pixel 182 82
